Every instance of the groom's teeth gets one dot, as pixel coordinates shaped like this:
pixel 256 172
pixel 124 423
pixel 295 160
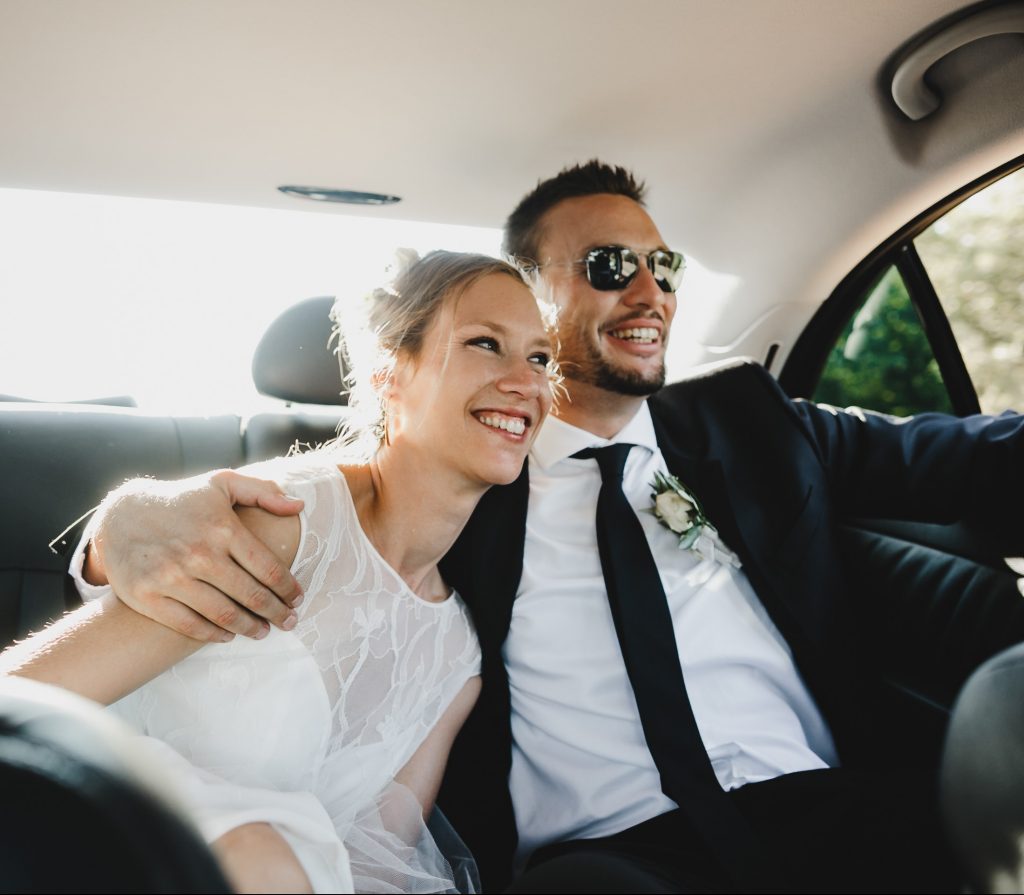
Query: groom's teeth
pixel 512 424
pixel 643 334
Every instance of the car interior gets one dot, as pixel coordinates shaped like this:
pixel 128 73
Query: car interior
pixel 824 162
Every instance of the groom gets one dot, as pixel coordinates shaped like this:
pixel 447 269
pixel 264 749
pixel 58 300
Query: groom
pixel 652 719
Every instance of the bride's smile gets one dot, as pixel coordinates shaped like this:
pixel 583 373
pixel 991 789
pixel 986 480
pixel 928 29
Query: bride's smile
pixel 474 397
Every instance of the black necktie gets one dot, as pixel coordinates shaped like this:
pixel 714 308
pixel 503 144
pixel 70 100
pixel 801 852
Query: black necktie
pixel 646 635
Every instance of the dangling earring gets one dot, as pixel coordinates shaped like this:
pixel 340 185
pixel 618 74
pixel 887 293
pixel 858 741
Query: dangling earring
pixel 385 429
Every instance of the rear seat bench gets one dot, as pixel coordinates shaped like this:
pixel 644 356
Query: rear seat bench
pixel 57 461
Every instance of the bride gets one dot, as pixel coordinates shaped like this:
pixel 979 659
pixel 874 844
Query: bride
pixel 309 759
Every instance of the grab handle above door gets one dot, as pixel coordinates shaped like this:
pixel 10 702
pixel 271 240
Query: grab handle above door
pixel 910 92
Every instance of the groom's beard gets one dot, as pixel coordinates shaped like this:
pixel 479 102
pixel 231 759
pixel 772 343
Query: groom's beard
pixel 591 368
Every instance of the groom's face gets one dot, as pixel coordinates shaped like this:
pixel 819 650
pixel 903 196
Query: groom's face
pixel 614 340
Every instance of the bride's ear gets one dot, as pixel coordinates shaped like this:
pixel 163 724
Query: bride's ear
pixel 380 380
pixel 390 383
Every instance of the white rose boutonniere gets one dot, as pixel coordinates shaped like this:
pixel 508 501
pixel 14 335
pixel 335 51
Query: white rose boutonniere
pixel 680 512
pixel 674 510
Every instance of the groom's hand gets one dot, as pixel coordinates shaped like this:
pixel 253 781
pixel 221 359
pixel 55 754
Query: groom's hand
pixel 177 553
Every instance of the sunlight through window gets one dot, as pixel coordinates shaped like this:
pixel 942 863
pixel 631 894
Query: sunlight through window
pixel 165 301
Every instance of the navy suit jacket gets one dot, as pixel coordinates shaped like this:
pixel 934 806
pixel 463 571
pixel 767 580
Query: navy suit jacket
pixel 776 476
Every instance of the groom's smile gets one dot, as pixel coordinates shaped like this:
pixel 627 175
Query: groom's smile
pixel 614 339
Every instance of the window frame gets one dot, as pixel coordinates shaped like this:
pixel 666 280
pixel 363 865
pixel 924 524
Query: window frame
pixel 806 362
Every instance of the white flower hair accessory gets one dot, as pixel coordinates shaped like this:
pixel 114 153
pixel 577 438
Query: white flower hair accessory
pixel 676 507
pixel 363 358
pixel 404 259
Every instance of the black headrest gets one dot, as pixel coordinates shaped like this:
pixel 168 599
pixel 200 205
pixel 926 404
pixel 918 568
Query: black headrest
pixel 295 361
pixel 77 814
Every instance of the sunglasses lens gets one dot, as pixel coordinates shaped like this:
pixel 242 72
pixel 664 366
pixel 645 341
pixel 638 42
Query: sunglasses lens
pixel 611 267
pixel 668 268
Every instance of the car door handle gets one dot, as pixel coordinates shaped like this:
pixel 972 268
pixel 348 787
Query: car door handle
pixel 910 92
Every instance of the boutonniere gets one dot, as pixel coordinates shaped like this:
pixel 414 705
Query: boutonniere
pixel 676 507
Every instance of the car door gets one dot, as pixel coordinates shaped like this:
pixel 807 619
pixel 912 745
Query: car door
pixel 932 320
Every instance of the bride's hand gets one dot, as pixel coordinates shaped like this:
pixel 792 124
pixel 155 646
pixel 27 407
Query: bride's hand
pixel 177 553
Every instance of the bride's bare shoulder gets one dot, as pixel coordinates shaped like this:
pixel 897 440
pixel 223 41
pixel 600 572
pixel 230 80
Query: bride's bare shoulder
pixel 280 533
pixel 301 476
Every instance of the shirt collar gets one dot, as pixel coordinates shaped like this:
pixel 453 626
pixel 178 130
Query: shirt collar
pixel 558 440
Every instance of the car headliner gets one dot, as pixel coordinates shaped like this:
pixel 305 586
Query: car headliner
pixel 763 128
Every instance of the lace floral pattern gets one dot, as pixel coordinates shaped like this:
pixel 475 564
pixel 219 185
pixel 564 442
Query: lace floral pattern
pixel 334 708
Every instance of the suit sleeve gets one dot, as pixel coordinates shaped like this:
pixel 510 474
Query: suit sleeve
pixel 931 467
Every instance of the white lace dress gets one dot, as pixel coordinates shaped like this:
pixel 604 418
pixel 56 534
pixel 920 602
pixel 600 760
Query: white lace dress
pixel 306 729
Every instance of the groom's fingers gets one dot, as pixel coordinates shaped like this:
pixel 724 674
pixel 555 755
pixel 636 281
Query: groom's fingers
pixel 191 589
pixel 258 584
pixel 247 491
pixel 253 576
pixel 172 613
pixel 212 584
pixel 196 610
pixel 201 611
pixel 226 612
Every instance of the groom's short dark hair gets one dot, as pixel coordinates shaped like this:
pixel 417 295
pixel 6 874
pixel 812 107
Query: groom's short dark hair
pixel 523 229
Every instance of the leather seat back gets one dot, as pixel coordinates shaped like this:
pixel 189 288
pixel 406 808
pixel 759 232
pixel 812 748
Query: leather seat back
pixel 267 435
pixel 58 461
pixel 932 607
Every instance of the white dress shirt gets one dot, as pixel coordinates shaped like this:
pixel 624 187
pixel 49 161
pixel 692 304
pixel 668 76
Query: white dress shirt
pixel 580 764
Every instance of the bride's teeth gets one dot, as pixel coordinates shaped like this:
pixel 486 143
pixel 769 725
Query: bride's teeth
pixel 513 425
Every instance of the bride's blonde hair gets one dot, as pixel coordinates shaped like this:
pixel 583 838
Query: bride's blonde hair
pixel 392 320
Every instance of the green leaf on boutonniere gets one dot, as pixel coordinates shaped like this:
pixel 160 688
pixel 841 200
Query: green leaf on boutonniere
pixel 687 540
pixel 678 509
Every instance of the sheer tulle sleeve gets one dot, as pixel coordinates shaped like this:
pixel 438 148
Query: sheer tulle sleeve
pixel 392 850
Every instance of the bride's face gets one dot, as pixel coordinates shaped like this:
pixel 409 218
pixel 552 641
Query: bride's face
pixel 477 393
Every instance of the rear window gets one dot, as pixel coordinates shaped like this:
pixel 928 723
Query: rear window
pixel 165 301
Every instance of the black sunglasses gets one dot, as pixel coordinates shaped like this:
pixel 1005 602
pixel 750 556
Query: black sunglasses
pixel 614 267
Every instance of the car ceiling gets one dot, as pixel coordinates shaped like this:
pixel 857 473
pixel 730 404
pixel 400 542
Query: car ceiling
pixel 772 153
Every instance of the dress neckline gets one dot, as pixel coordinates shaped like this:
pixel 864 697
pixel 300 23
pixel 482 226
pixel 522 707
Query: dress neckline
pixel 408 591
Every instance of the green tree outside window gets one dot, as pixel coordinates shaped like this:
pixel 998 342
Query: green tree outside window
pixel 883 360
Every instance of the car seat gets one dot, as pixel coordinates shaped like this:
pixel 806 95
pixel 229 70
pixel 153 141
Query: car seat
pixel 80 811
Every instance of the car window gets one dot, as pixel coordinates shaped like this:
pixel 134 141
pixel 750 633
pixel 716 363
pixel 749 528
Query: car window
pixel 883 359
pixel 975 259
pixel 939 325
pixel 165 301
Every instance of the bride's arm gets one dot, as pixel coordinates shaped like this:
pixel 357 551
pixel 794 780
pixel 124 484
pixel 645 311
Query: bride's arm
pixel 104 650
pixel 424 771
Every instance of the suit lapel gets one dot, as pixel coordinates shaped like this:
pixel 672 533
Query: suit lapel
pixel 486 562
pixel 704 475
pixel 707 477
